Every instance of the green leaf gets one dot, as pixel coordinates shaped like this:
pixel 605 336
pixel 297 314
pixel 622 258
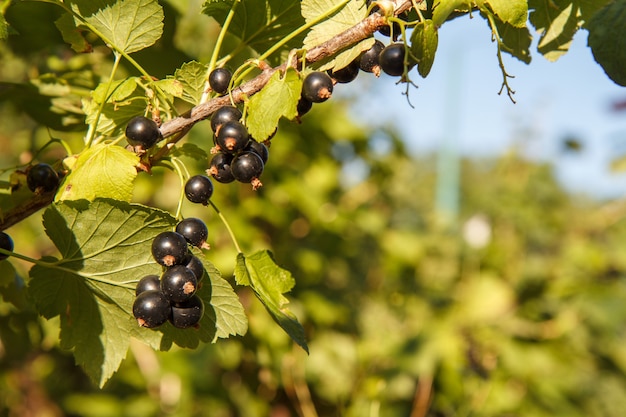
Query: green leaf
pixel 260 24
pixel 607 40
pixel 424 41
pixel 116 112
pixel 190 150
pixel 105 249
pixel 558 21
pixel 269 282
pixel 279 97
pixel 4 27
pixel 351 14
pixel 128 25
pixel 515 41
pixel 114 91
pixel 511 12
pixel 192 75
pixel 170 86
pixel 71 34
pixel 443 9
pixel 105 171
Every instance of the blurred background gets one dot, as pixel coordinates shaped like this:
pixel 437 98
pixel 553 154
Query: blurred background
pixel 461 257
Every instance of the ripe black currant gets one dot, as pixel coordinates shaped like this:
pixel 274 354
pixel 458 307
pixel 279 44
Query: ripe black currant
pixel 346 74
pixel 219 168
pixel 219 79
pixel 178 283
pixel 247 167
pixel 304 106
pixel 170 248
pixel 391 59
pixel 199 189
pixel 188 313
pixel 151 309
pixel 260 149
pixel 317 87
pixel 42 178
pixel 223 115
pixel 142 133
pixel 232 137
pixel 369 59
pixel 194 230
pixel 195 264
pixel 6 243
pixel 148 283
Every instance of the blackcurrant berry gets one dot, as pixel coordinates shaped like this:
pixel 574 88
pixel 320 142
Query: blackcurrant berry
pixel 195 264
pixel 369 59
pixel 42 178
pixel 247 167
pixel 151 309
pixel 169 248
pixel 346 74
pixel 194 230
pixel 142 132
pixel 223 115
pixel 188 313
pixel 219 168
pixel 317 87
pixel 6 243
pixel 178 283
pixel 304 106
pixel 260 149
pixel 232 137
pixel 391 59
pixel 199 189
pixel 219 79
pixel 148 283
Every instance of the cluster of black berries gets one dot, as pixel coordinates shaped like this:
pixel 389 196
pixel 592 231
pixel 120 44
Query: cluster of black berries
pixel 172 296
pixel 237 156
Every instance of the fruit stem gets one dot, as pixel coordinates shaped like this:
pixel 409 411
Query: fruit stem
pixel 183 173
pixel 227 225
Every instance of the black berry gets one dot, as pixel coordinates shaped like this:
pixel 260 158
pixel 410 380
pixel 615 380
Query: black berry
pixel 391 59
pixel 188 313
pixel 260 149
pixel 219 79
pixel 195 265
pixel 199 189
pixel 194 230
pixel 148 283
pixel 170 248
pixel 6 243
pixel 223 115
pixel 178 283
pixel 42 178
pixel 142 132
pixel 369 59
pixel 317 87
pixel 232 137
pixel 304 106
pixel 346 74
pixel 151 309
pixel 219 168
pixel 248 167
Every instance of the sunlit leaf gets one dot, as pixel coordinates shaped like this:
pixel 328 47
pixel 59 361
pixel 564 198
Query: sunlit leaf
pixel 424 41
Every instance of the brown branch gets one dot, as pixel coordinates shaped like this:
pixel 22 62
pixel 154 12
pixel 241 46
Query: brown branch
pixel 351 36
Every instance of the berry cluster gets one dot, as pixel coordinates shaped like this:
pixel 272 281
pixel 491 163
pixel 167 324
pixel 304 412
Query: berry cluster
pixel 237 156
pixel 172 296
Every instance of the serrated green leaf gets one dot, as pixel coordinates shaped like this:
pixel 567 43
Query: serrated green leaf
pixel 114 116
pixel 114 91
pixel 190 150
pixel 442 9
pixel 349 15
pixel 279 97
pixel 424 41
pixel 269 282
pixel 515 41
pixel 607 40
pixel 260 24
pixel 71 34
pixel 105 249
pixel 170 86
pixel 128 25
pixel 4 27
pixel 192 76
pixel 102 171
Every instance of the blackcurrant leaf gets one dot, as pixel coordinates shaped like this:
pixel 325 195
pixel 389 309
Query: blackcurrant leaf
pixel 269 282
pixel 424 41
pixel 192 76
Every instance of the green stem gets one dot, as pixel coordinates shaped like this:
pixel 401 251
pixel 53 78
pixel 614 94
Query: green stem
pixel 295 33
pixel 91 133
pixel 227 225
pixel 183 174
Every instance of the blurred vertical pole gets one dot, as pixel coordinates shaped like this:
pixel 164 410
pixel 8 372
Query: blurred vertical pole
pixel 448 162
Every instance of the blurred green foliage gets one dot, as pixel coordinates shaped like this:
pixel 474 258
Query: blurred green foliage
pixel 515 309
